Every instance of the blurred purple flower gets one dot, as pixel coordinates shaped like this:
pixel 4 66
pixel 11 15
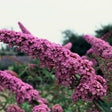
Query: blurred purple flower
pixel 41 108
pixel 24 92
pixel 14 108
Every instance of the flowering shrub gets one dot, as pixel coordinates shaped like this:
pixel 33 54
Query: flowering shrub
pixel 70 69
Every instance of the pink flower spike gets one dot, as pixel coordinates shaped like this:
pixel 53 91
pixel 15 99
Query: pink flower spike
pixel 57 108
pixel 14 108
pixel 23 28
pixel 41 108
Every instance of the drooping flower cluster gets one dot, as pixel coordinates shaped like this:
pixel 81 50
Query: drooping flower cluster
pixel 24 92
pixel 99 47
pixel 41 108
pixel 14 108
pixel 65 63
pixel 11 73
pixel 101 51
pixel 90 88
pixel 111 109
pixel 42 101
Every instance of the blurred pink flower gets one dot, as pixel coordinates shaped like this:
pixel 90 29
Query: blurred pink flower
pixel 1 88
pixel 14 108
pixel 41 108
pixel 111 109
pixel 22 90
pixel 57 108
pixel 12 73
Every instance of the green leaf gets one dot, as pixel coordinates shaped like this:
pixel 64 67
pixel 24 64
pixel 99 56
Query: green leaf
pixel 103 105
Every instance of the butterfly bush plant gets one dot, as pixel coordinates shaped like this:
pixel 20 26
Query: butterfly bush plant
pixel 71 70
pixel 101 56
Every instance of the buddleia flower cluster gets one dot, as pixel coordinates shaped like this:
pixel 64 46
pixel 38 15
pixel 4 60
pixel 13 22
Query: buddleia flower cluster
pixel 101 51
pixel 23 91
pixel 99 47
pixel 70 69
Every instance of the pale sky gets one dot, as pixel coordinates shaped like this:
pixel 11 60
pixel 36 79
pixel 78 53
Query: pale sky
pixel 48 18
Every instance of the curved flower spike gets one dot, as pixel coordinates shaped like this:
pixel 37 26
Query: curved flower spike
pixel 23 28
pixel 99 47
pixel 65 63
pixel 22 90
